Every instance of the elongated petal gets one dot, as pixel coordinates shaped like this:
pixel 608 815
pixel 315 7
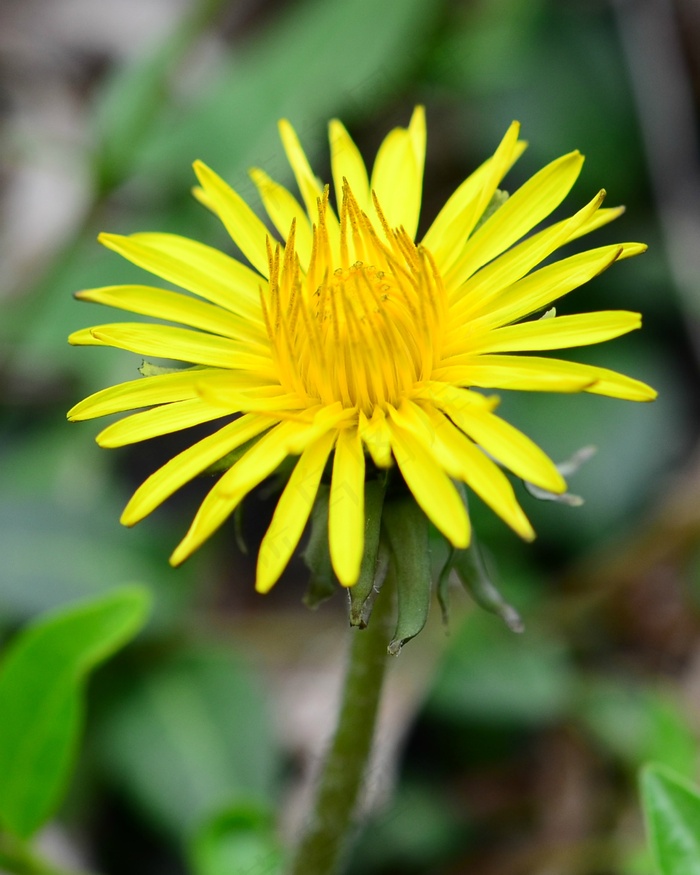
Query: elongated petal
pixel 257 464
pixel 431 487
pixel 346 516
pixel 190 463
pixel 507 445
pixel 524 209
pixel 394 178
pixel 439 394
pixel 347 163
pixel 309 185
pixel 466 222
pixel 534 374
pixel 292 513
pixel 464 461
pixel 174 307
pixel 397 176
pixel 582 329
pixel 143 392
pixel 376 436
pixel 181 345
pixel 245 228
pixel 598 220
pixel 447 235
pixel 283 209
pixel 200 269
pixel 164 419
pixel 223 390
pixel 541 288
pixel 478 294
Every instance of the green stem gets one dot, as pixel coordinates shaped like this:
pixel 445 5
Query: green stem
pixel 327 831
pixel 18 859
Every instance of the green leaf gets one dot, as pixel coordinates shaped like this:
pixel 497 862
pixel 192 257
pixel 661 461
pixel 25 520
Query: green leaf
pixel 490 675
pixel 41 685
pixel 232 124
pixel 241 839
pixel 189 738
pixel 637 724
pixel 317 555
pixel 672 812
pixel 372 571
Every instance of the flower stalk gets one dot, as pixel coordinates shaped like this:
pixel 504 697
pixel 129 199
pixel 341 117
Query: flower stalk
pixel 332 820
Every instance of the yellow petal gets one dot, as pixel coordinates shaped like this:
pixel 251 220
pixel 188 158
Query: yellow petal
pixel 464 461
pixel 309 186
pixel 531 203
pixel 477 295
pixel 347 163
pixel 397 176
pixel 507 445
pixel 189 464
pixel 223 390
pixel 292 513
pixel 431 487
pixel 257 464
pixel 535 291
pixel 174 307
pixel 163 419
pixel 376 436
pixel 600 218
pixel 533 374
pixel 439 394
pixel 283 209
pixel 137 393
pixel 346 518
pixel 561 332
pixel 245 228
pixel 446 236
pixel 200 269
pixel 184 345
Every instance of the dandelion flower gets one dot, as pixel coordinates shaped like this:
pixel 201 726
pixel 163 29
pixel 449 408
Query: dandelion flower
pixel 354 347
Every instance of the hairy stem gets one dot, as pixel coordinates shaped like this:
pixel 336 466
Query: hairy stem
pixel 331 822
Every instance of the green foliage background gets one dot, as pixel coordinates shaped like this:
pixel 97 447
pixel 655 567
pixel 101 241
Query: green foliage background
pixel 512 754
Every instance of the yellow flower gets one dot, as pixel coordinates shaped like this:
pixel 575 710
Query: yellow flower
pixel 349 338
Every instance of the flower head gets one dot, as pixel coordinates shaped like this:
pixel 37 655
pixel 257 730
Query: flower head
pixel 349 344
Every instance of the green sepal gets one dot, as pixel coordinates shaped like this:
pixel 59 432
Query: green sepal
pixel 374 565
pixel 471 570
pixel 322 583
pixel 406 528
pixel 443 586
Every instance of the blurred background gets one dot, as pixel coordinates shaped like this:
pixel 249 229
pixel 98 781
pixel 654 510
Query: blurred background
pixel 498 753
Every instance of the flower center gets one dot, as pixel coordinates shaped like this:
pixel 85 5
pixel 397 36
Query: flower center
pixel 363 322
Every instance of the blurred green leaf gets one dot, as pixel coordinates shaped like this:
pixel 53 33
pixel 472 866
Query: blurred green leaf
pixel 41 685
pixel 132 97
pixel 60 536
pixel 188 739
pixel 241 839
pixel 418 828
pixel 232 124
pixel 672 812
pixel 490 674
pixel 637 724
